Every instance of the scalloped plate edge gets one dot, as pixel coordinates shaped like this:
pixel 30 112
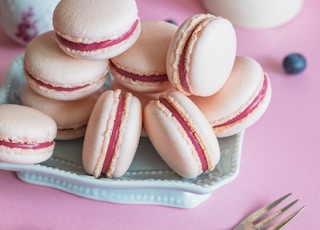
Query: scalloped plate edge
pixel 163 197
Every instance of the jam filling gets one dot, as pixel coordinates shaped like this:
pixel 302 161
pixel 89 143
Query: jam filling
pixel 26 145
pixel 98 45
pixel 114 134
pixel 189 132
pixel 251 107
pixel 137 77
pixel 182 64
pixel 57 88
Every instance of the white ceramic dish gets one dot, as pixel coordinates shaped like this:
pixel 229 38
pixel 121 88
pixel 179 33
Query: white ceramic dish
pixel 253 14
pixel 148 181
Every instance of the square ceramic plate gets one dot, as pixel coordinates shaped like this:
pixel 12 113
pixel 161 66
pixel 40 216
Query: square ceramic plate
pixel 148 180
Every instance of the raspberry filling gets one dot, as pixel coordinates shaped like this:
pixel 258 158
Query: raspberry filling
pixel 195 141
pixel 182 64
pixel 57 88
pixel 251 107
pixel 114 134
pixel 26 145
pixel 137 77
pixel 98 45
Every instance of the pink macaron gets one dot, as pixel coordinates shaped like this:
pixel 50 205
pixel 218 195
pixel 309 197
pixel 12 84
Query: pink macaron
pixel 201 55
pixel 56 75
pixel 142 67
pixel 26 135
pixel 241 101
pixel 181 134
pixel 112 134
pixel 96 29
pixel 71 116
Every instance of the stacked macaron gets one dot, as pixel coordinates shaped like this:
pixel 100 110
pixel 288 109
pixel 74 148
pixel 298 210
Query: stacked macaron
pixel 65 73
pixel 183 86
pixel 66 68
pixel 193 87
pixel 60 85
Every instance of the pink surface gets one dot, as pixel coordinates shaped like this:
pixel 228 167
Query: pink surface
pixel 280 152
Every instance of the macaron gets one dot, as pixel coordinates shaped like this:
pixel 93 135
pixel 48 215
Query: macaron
pixel 242 100
pixel 26 135
pixel 54 74
pixel 142 67
pixel 201 55
pixel 181 134
pixel 97 29
pixel 112 134
pixel 71 116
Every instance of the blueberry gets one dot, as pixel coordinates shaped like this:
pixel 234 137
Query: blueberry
pixel 171 21
pixel 294 63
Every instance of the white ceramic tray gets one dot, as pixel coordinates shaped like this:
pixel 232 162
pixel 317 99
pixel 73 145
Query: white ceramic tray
pixel 148 180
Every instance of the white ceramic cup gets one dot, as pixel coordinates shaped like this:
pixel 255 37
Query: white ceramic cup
pixel 255 14
pixel 22 20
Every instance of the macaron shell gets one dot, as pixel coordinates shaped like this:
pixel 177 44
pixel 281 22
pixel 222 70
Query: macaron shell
pixel 21 124
pixel 242 86
pixel 71 116
pixel 45 61
pixel 19 156
pixel 99 131
pixel 187 166
pixel 221 55
pixel 108 19
pixel 172 142
pixel 210 54
pixel 32 124
pixel 146 57
pixel 83 21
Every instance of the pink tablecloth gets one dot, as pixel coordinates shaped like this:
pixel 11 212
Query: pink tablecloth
pixel 280 152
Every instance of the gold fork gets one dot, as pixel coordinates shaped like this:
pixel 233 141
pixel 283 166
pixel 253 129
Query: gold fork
pixel 255 221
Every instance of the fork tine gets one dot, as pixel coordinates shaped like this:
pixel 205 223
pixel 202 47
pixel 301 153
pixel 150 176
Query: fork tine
pixel 286 220
pixel 274 215
pixel 262 211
